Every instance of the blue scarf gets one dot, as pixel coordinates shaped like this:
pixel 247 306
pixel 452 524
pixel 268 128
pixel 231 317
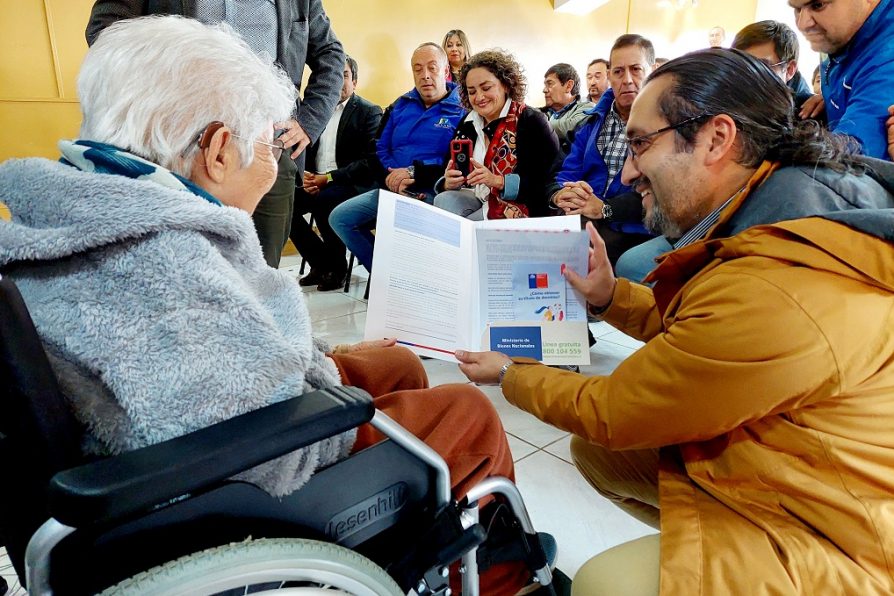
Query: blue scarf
pixel 90 156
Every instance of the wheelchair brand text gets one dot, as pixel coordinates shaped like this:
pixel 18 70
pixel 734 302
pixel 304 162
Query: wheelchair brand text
pixel 357 517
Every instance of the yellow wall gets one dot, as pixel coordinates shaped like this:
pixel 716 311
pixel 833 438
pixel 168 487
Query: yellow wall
pixel 381 34
pixel 42 44
pixel 41 47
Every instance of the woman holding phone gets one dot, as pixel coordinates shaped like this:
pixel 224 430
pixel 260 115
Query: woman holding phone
pixel 456 46
pixel 509 147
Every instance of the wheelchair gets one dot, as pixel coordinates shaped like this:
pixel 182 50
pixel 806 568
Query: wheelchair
pixel 169 518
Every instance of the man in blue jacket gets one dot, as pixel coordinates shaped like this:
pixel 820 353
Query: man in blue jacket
pixel 411 147
pixel 858 36
pixel 589 182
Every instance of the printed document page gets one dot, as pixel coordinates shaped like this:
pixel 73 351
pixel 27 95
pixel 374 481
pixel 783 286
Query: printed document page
pixel 423 287
pixel 527 307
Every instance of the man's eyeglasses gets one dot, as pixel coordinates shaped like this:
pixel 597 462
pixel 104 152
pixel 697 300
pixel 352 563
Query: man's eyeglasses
pixel 771 65
pixel 204 139
pixel 638 145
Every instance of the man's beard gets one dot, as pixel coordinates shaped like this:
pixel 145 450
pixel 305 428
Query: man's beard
pixel 659 222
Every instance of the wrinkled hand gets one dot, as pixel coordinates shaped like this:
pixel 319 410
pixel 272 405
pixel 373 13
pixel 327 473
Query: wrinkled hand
pixel 370 344
pixel 294 136
pixel 890 124
pixel 481 175
pixel 812 107
pixel 395 177
pixel 482 367
pixel 453 178
pixel 578 198
pixel 598 286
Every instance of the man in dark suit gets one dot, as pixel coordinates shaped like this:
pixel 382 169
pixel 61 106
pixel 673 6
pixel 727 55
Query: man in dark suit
pixel 338 169
pixel 295 33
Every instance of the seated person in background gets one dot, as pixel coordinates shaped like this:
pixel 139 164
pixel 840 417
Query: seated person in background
pixel 755 423
pixel 414 138
pixel 564 107
pixel 456 46
pixel 597 79
pixel 817 79
pixel 514 148
pixel 716 36
pixel 590 175
pixel 338 170
pixel 776 45
pixel 858 36
pixel 138 260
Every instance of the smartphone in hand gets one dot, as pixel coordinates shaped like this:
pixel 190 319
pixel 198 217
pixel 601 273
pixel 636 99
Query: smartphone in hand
pixel 461 154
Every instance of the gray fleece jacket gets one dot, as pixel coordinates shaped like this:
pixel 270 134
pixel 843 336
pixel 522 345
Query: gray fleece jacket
pixel 157 311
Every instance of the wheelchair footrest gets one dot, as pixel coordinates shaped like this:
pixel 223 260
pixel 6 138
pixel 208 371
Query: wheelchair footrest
pixel 507 541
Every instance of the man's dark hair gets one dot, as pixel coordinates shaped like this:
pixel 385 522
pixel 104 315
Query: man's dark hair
pixel 784 39
pixel 597 61
pixel 719 81
pixel 352 64
pixel 565 72
pixel 632 39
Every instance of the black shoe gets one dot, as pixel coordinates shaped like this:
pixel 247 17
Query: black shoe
pixel 311 279
pixel 331 281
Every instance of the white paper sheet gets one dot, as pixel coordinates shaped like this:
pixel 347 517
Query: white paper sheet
pixel 440 280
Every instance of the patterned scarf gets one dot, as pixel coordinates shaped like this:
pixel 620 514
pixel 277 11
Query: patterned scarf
pixel 101 158
pixel 501 159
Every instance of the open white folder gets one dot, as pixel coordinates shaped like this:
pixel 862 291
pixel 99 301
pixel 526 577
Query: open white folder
pixel 443 282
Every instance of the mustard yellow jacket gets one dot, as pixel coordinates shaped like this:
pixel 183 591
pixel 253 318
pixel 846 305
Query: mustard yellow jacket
pixel 767 380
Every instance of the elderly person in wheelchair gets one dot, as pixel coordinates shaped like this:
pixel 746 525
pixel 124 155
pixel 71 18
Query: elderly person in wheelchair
pixel 137 259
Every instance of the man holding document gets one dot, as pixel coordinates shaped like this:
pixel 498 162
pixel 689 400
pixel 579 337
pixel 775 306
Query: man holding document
pixel 495 283
pixel 761 403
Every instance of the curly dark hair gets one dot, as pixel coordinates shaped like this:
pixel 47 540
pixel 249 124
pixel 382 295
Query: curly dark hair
pixel 503 66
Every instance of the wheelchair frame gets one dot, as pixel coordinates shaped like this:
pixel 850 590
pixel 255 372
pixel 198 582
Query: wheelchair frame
pixel 52 532
pixel 199 463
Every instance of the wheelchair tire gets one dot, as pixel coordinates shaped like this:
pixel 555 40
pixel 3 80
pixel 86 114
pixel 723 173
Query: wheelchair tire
pixel 308 567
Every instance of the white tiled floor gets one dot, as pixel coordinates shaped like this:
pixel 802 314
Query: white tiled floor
pixel 558 498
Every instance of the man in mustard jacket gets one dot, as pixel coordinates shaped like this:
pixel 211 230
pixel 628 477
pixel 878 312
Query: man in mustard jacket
pixel 756 425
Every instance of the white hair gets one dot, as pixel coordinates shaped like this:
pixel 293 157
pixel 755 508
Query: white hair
pixel 151 85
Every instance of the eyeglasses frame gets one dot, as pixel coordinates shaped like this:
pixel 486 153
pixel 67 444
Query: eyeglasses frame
pixel 632 154
pixel 203 139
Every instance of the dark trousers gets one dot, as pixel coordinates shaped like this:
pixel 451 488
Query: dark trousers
pixel 326 252
pixel 273 215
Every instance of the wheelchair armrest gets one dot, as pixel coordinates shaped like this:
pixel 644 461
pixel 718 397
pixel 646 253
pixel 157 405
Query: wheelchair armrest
pixel 146 479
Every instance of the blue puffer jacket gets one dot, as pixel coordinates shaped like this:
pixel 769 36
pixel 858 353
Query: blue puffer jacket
pixel 857 84
pixel 584 162
pixel 412 134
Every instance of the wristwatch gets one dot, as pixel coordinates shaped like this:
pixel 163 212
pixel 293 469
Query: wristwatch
pixel 411 170
pixel 503 370
pixel 606 210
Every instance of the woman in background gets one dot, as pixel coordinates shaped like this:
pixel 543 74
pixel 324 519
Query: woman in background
pixel 456 45
pixel 514 147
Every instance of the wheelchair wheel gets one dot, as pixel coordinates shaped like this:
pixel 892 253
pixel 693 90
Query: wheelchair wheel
pixel 278 566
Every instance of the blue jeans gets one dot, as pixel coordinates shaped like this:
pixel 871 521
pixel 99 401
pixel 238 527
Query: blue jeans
pixel 354 221
pixel 639 261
